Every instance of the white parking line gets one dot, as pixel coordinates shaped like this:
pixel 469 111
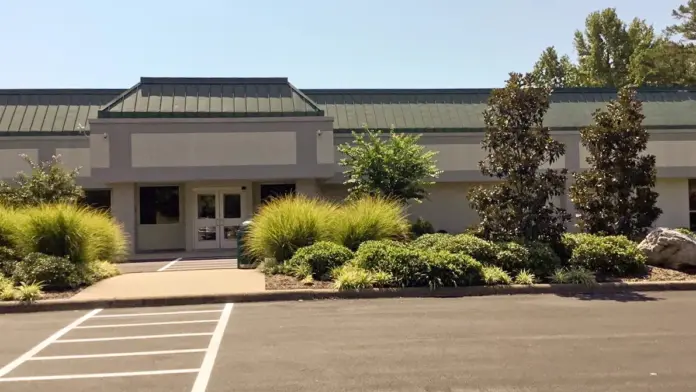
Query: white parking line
pixel 147 324
pixel 171 263
pixel 51 339
pixel 209 360
pixel 99 375
pixel 157 313
pixel 137 337
pixel 115 355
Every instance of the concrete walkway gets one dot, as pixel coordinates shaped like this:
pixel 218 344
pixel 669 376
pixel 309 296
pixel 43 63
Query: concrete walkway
pixel 175 284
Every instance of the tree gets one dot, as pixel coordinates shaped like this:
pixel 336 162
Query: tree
pixel 666 64
pixel 553 71
pixel 614 196
pixel 48 182
pixel 686 17
pixel 608 48
pixel 519 147
pixel 395 166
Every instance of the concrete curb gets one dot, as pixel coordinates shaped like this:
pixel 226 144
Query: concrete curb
pixel 310 294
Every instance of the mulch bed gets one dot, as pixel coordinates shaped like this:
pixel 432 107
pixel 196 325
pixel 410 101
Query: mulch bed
pixel 655 274
pixel 282 282
pixel 59 294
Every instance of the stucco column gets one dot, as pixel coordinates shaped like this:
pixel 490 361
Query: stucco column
pixel 572 163
pixel 308 187
pixel 123 209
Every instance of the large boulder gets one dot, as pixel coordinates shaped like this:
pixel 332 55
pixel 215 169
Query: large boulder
pixel 669 248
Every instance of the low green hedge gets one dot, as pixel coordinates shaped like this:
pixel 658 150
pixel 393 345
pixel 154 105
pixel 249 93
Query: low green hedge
pixel 475 247
pixel 607 255
pixel 317 260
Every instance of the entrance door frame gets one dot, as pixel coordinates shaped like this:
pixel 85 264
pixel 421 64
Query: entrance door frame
pixel 220 221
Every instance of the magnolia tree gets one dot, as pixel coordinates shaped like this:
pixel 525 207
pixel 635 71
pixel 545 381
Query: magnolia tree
pixel 519 205
pixel 392 165
pixel 615 196
pixel 48 182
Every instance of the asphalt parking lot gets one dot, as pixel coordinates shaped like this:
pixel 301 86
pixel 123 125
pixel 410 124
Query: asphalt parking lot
pixel 516 343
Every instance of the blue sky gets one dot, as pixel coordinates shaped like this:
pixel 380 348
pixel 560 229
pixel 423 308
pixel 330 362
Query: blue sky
pixel 317 44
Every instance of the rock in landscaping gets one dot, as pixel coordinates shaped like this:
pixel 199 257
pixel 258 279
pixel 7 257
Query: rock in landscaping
pixel 669 248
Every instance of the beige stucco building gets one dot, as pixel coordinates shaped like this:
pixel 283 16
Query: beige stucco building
pixel 181 162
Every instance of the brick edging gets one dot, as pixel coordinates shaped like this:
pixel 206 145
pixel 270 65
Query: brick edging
pixel 311 294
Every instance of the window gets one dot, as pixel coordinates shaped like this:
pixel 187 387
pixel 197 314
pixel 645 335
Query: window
pixel 98 198
pixel 692 204
pixel 269 191
pixel 159 205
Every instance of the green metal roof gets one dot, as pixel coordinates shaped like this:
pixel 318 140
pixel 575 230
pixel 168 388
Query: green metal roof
pixel 26 112
pixel 461 109
pixel 68 111
pixel 211 97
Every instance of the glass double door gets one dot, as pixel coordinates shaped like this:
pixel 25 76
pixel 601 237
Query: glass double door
pixel 218 217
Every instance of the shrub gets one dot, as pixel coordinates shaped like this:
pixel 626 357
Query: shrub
pixel 542 259
pixel 109 239
pixel 448 269
pixel 570 241
pixel 317 260
pixel 573 275
pixel 610 255
pixel 351 277
pixel 685 231
pixel 421 227
pixel 8 261
pixel 475 247
pixel 6 289
pixel 525 277
pixel 493 275
pixel 288 223
pixel 52 271
pixel 59 230
pixel 408 266
pixel 97 270
pixel 511 256
pixel 370 218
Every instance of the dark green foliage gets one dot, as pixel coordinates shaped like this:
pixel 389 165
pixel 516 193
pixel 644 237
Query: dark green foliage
pixel 53 272
pixel 520 205
pixel 8 261
pixel 317 260
pixel 615 195
pixel 408 266
pixel 421 227
pixel 543 259
pixel 412 267
pixel 511 257
pixel 392 165
pixel 453 270
pixel 606 255
pixel 475 247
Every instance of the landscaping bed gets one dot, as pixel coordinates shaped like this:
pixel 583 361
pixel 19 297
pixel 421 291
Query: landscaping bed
pixel 368 243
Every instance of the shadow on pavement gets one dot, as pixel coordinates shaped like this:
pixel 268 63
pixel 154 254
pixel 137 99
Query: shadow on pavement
pixel 626 296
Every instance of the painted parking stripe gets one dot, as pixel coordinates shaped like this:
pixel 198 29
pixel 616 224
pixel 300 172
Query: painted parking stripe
pixel 99 375
pixel 146 324
pixel 118 315
pixel 51 339
pixel 136 337
pixel 115 355
pixel 171 263
pixel 209 360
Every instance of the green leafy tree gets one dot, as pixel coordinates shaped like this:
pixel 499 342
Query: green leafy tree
pixel 393 166
pixel 48 182
pixel 520 204
pixel 554 71
pixel 615 195
pixel 666 64
pixel 608 48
